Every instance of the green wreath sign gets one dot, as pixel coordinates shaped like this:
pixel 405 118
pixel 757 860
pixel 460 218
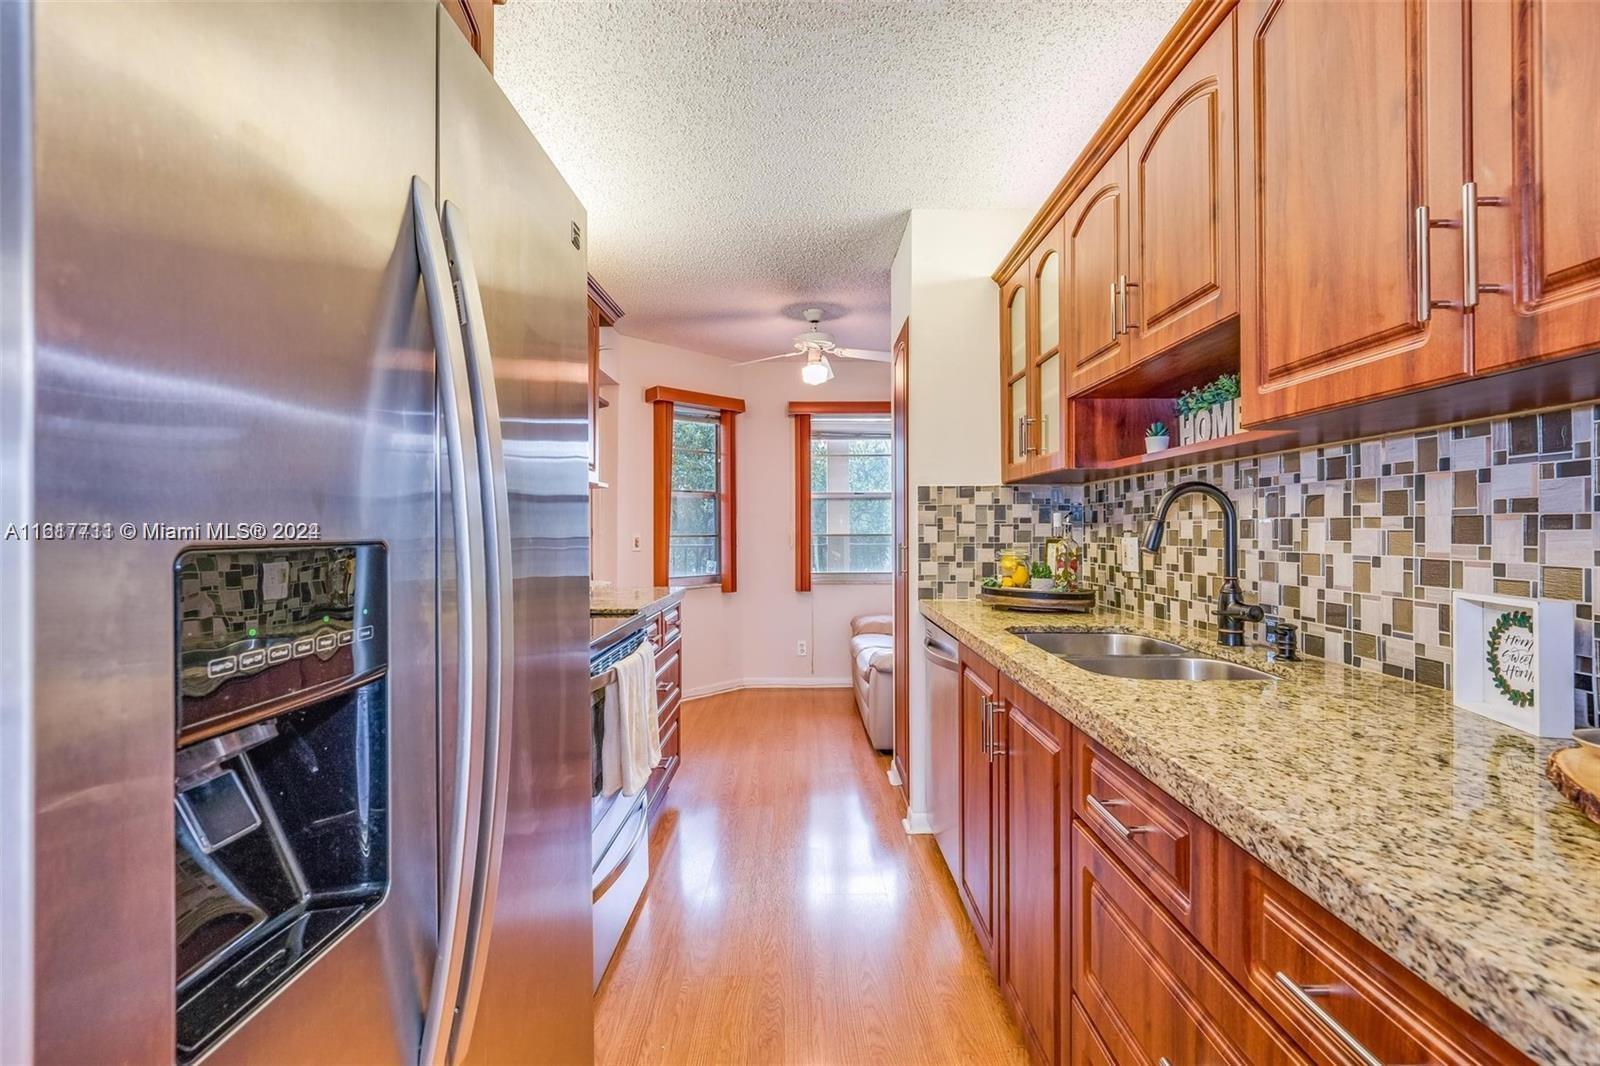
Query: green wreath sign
pixel 1510 620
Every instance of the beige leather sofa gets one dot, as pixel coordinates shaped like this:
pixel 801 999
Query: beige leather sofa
pixel 872 669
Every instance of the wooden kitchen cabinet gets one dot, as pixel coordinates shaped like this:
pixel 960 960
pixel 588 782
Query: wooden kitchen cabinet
pixel 1032 365
pixel 1048 437
pixel 1150 993
pixel 1350 122
pixel 594 390
pixel 666 636
pixel 1310 972
pixel 980 800
pixel 1368 210
pixel 1016 360
pixel 603 311
pixel 1123 928
pixel 1087 1047
pixel 1171 850
pixel 1096 240
pixel 1535 143
pixel 1183 188
pixel 1033 745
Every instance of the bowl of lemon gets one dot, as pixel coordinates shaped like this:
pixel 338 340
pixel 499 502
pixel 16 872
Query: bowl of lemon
pixel 1022 586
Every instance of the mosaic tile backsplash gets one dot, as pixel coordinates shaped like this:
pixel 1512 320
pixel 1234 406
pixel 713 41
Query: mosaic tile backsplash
pixel 961 530
pixel 1360 544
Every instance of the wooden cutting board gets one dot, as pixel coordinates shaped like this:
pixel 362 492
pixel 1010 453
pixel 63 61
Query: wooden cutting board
pixel 1576 773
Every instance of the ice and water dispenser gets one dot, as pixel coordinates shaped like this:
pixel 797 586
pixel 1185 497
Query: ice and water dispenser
pixel 281 789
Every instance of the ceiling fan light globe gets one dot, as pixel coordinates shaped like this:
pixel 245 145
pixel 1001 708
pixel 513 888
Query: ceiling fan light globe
pixel 815 373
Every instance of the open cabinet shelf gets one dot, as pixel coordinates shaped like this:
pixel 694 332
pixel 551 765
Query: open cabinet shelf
pixel 1108 434
pixel 1250 442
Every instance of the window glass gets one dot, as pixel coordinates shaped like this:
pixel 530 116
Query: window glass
pixel 695 544
pixel 851 517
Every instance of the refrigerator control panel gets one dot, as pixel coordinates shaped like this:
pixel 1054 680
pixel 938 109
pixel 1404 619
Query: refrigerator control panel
pixel 262 630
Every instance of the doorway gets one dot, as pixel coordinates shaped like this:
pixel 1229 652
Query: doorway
pixel 901 489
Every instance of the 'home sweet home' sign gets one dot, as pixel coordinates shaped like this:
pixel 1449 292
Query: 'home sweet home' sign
pixel 1514 659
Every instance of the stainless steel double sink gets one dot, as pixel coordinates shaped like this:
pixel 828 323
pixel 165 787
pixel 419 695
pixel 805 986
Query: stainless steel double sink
pixel 1135 656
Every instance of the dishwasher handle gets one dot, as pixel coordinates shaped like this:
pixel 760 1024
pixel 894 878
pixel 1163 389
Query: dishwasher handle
pixel 938 653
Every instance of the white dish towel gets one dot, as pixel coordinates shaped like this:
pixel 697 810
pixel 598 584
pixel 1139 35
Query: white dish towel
pixel 633 723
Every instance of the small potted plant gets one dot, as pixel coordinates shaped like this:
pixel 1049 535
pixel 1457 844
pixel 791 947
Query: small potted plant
pixel 1209 412
pixel 1155 438
pixel 1043 577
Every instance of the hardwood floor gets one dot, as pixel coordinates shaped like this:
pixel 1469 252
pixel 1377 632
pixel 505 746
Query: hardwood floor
pixel 789 917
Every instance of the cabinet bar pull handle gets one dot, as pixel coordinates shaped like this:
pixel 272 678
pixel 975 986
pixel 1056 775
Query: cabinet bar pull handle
pixel 988 750
pixel 1103 809
pixel 1123 285
pixel 1471 287
pixel 1116 327
pixel 995 750
pixel 1424 266
pixel 1469 244
pixel 1302 996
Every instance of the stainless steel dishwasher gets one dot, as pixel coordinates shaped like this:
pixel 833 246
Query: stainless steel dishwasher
pixel 943 690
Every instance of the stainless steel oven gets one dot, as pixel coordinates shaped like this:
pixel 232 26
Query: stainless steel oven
pixel 620 825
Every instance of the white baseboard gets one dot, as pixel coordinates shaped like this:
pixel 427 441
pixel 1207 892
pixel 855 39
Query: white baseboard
pixel 917 822
pixel 894 774
pixel 765 682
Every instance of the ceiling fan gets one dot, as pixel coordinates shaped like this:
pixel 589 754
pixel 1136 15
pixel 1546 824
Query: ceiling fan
pixel 815 345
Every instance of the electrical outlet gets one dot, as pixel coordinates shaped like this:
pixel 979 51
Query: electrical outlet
pixel 636 542
pixel 800 648
pixel 1130 552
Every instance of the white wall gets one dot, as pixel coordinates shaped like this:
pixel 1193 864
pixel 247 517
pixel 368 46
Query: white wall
pixel 748 636
pixel 940 278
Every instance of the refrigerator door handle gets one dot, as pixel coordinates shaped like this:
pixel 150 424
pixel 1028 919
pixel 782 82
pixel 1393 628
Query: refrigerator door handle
pixel 455 402
pixel 502 642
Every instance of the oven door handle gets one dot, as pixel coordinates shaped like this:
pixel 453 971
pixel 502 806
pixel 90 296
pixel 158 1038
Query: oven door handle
pixel 466 517
pixel 642 813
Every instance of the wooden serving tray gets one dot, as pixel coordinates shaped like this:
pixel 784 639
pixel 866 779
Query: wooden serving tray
pixel 1038 599
pixel 1576 774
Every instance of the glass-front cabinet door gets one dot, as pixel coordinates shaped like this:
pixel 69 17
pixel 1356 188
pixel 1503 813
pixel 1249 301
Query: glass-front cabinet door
pixel 1016 401
pixel 1049 430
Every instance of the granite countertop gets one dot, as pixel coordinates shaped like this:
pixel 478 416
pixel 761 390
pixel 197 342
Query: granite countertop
pixel 611 600
pixel 614 611
pixel 1428 829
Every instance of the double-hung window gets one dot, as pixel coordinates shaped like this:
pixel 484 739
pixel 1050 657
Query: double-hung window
pixel 844 517
pixel 694 538
pixel 694 529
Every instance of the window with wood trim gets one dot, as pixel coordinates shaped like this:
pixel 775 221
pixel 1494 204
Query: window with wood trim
pixel 843 493
pixel 694 529
pixel 694 545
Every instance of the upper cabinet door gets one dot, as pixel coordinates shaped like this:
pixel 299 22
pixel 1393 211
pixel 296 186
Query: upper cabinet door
pixel 1096 239
pixel 1536 147
pixel 1015 371
pixel 1049 407
pixel 1184 194
pixel 594 391
pixel 1351 120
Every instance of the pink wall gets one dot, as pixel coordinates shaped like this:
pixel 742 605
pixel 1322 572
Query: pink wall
pixel 747 637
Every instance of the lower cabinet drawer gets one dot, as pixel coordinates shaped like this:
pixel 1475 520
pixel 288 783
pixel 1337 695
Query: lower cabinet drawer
pixel 1149 991
pixel 1169 849
pixel 661 776
pixel 1337 995
pixel 669 680
pixel 1087 1047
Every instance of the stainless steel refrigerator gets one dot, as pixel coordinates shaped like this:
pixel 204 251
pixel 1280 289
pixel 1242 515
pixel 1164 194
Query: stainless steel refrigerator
pixel 294 731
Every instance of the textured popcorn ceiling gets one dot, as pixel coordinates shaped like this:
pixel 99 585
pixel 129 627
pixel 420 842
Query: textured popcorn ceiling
pixel 743 161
